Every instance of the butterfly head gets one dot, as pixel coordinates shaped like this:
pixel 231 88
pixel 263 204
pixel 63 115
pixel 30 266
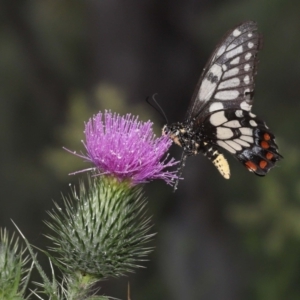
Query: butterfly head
pixel 174 132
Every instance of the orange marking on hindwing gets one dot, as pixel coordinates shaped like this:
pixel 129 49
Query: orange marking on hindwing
pixel 269 155
pixel 264 144
pixel 250 165
pixel 267 137
pixel 263 164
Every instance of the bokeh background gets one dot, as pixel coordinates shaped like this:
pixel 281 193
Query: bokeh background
pixel 63 61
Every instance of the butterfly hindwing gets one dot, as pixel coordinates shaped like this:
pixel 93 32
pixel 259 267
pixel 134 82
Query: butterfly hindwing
pixel 245 136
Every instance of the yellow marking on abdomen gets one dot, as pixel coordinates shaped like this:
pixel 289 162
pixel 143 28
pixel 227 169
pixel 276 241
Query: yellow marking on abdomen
pixel 222 165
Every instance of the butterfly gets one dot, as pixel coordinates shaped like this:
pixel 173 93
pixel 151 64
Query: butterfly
pixel 219 115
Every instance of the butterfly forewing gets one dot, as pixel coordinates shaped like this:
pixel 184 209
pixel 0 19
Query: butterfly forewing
pixel 227 80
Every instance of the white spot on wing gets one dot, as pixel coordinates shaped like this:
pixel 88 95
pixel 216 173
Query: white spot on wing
pixel 216 70
pixel 235 61
pixel 220 51
pixel 232 124
pixel 246 131
pixel 239 113
pixel 218 118
pixel 245 106
pixel 231 72
pixel 230 83
pixel 234 145
pixel 236 32
pixel 247 79
pixel 243 143
pixel 234 52
pixel 252 115
pixel 247 138
pixel 227 95
pixel 224 67
pixel 253 123
pixel 207 87
pixel 224 133
pixel 231 47
pixel 250 34
pixel 216 106
pixel 247 67
pixel 225 146
pixel 250 45
pixel 248 56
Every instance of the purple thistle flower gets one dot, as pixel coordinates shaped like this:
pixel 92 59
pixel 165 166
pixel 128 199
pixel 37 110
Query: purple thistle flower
pixel 127 149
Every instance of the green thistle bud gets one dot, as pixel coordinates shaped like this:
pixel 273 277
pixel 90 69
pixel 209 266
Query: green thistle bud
pixel 103 231
pixel 14 274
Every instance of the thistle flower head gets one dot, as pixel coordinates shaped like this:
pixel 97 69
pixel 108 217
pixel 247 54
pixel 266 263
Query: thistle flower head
pixel 126 148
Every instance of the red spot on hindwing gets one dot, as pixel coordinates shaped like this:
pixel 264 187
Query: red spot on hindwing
pixel 251 166
pixel 264 144
pixel 267 137
pixel 263 164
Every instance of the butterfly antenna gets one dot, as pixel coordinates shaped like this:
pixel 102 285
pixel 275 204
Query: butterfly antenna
pixel 179 170
pixel 157 107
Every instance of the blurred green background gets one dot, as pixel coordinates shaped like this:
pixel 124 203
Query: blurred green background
pixel 63 61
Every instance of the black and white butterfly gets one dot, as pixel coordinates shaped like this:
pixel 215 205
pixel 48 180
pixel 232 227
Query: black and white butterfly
pixel 219 115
